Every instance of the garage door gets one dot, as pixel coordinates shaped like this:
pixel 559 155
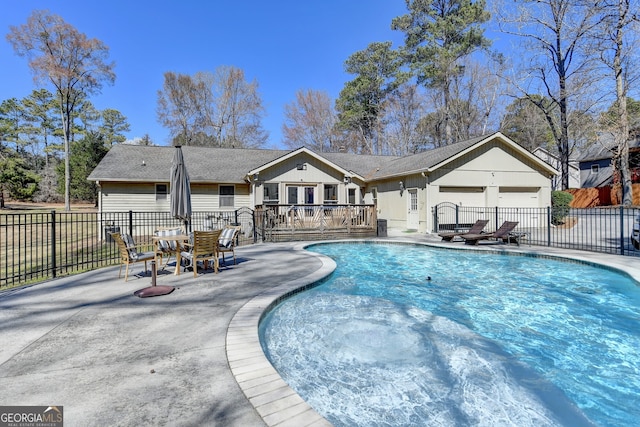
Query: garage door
pixel 463 196
pixel 518 197
pixel 523 206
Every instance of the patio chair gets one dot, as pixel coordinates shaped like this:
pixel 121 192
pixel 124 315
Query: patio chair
pixel 167 247
pixel 501 233
pixel 475 229
pixel 130 253
pixel 227 241
pixel 203 247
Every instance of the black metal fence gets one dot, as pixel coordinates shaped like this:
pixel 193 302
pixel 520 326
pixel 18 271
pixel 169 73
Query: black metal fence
pixel 605 230
pixel 40 246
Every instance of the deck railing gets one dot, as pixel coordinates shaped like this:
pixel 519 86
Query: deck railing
pixel 314 222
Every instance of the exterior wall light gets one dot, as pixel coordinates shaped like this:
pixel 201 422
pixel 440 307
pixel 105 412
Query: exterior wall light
pixel 401 188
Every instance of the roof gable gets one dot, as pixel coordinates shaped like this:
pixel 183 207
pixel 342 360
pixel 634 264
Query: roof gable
pixel 429 161
pixel 299 152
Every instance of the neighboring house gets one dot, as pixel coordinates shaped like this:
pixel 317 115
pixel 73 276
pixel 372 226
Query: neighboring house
pixel 553 160
pixel 488 171
pixel 596 168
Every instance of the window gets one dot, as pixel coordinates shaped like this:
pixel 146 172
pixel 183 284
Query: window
pixel 413 200
pixel 270 193
pixel 595 168
pixel 161 191
pixel 298 195
pixel 292 195
pixel 226 196
pixel 352 196
pixel 330 194
pixel 309 195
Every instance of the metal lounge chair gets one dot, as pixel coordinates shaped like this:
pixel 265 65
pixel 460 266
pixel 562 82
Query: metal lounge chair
pixel 130 253
pixel 203 248
pixel 501 233
pixel 227 241
pixel 475 229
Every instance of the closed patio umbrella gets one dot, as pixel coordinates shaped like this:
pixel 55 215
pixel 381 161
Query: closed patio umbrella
pixel 180 189
pixel 180 208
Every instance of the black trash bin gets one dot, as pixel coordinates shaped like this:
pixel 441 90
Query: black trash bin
pixel 108 231
pixel 382 228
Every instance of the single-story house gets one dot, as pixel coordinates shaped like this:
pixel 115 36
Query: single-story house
pixel 487 171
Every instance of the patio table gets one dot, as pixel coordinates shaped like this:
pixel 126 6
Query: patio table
pixel 179 239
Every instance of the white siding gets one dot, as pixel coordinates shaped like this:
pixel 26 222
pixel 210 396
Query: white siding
pixel 123 197
pixel 304 170
pixel 474 179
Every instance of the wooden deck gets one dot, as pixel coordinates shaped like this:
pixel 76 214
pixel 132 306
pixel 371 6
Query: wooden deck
pixel 279 223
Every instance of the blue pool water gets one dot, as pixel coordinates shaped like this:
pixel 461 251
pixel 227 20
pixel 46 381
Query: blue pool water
pixel 488 340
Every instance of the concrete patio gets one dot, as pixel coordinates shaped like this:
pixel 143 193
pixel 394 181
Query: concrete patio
pixel 188 358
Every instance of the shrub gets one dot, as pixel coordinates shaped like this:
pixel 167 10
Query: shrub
pixel 560 201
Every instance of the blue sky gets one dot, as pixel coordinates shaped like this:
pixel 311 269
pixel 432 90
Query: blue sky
pixel 286 45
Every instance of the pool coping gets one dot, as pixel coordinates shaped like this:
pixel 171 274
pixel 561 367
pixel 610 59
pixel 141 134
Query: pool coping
pixel 272 398
pixel 270 395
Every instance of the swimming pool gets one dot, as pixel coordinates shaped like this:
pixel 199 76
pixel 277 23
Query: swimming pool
pixel 488 340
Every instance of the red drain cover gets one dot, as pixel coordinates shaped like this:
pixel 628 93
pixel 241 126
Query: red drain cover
pixel 154 291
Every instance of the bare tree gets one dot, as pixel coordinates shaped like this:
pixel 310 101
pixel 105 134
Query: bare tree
pixel 239 110
pixel 219 109
pixel 402 114
pixel 611 35
pixel 526 124
pixel 488 90
pixel 74 64
pixel 310 121
pixel 554 33
pixel 179 107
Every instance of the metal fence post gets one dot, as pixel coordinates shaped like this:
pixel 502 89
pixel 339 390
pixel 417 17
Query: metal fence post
pixel 131 223
pixel 548 226
pixel 435 218
pixel 54 265
pixel 621 230
pixel 255 231
pixel 457 218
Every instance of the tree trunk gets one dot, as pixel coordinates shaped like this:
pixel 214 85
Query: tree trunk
pixel 623 128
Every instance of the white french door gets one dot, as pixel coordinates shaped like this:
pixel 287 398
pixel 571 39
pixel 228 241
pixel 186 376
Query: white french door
pixel 301 195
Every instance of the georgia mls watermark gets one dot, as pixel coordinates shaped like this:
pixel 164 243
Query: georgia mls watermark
pixel 31 416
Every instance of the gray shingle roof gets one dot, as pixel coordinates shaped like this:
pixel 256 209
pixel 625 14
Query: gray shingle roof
pixel 230 165
pixel 424 160
pixel 205 164
pixel 603 148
